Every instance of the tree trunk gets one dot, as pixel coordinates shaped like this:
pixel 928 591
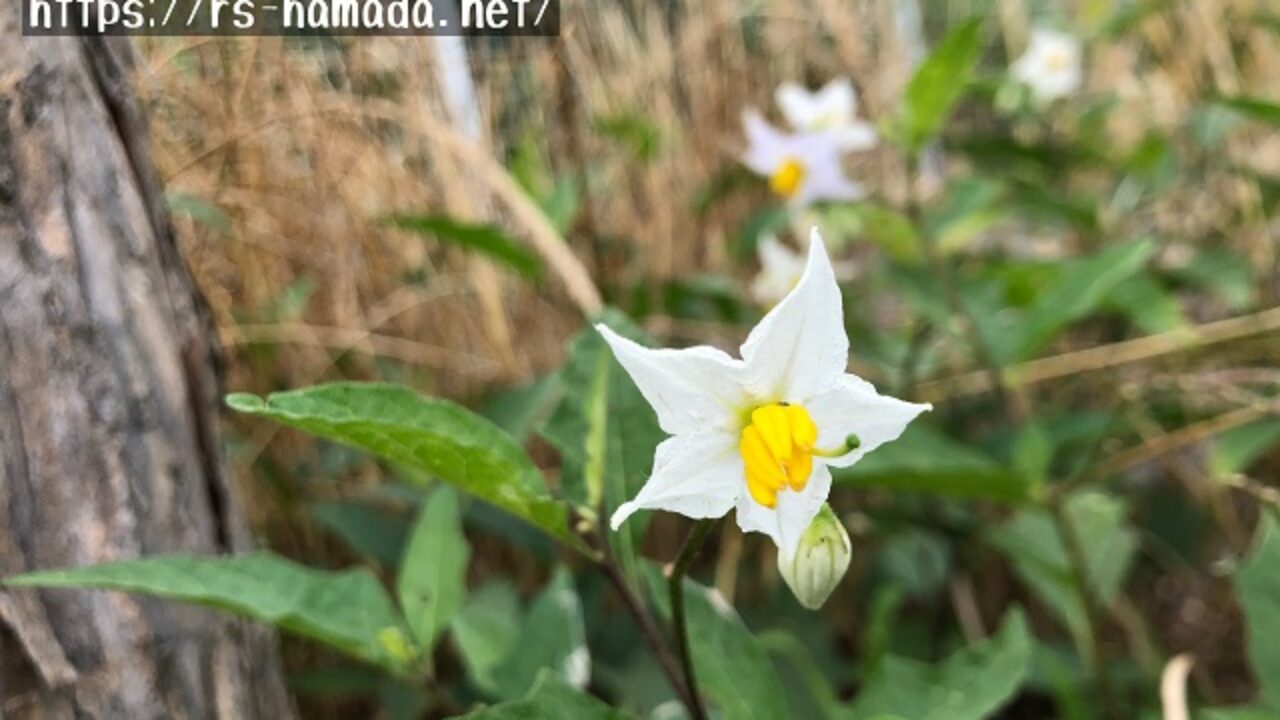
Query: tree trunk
pixel 109 398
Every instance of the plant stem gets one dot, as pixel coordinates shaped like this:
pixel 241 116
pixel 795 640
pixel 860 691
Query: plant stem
pixel 675 586
pixel 1094 612
pixel 653 636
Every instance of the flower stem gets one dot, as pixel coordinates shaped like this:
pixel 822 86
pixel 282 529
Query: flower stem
pixel 675 586
pixel 653 636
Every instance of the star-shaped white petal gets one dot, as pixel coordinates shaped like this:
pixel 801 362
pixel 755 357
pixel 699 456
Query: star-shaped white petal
pixel 796 355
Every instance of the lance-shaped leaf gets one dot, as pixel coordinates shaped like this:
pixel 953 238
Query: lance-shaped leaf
pixel 433 571
pixel 970 685
pixel 347 610
pixel 1258 586
pixel 550 699
pixel 937 85
pixel 428 434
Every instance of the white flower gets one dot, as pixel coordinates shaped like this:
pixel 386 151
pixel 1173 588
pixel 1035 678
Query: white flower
pixel 831 110
pixel 758 434
pixel 1051 66
pixel 780 270
pixel 820 562
pixel 802 168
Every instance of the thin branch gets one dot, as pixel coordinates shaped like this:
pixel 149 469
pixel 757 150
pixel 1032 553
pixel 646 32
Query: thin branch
pixel 1094 612
pixel 1107 356
pixel 649 630
pixel 653 636
pixel 675 586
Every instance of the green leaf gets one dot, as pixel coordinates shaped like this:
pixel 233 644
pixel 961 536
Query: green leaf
pixel 1264 111
pixel 1238 713
pixel 1234 450
pixel 199 210
pixel 1149 306
pixel 938 84
pixel 632 130
pixel 1226 274
pixel 1031 541
pixel 1258 587
pixel 487 240
pixel 368 530
pixel 486 632
pixel 551 698
pixel 969 207
pixel 604 429
pixel 1077 293
pixel 972 684
pixel 347 610
pixel 521 409
pixel 884 227
pixel 433 571
pixel 554 636
pixel 731 665
pixel 924 459
pixel 432 435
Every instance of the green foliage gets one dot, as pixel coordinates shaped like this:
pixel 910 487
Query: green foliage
pixel 432 580
pixel 486 632
pixel 553 636
pixel 604 430
pixel 633 131
pixel 1033 544
pixel 551 698
pixel 432 435
pixel 1078 291
pixel 1263 111
pixel 1257 583
pixel 346 610
pixel 924 459
pixel 732 666
pixel 970 685
pixel 369 531
pixel 488 240
pixel 1233 451
pixel 937 85
pixel 884 227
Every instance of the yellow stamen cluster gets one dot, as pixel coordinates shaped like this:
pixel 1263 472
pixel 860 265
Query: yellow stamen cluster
pixel 786 180
pixel 777 450
pixel 1057 61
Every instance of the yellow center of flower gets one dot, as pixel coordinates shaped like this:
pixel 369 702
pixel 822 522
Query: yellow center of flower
pixel 1057 61
pixel 777 450
pixel 787 178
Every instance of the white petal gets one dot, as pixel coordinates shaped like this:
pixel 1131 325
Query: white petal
pixel 698 476
pixel 800 348
pixel 798 106
pixel 766 145
pixel 838 101
pixel 856 136
pixel 780 270
pixel 854 407
pixel 787 522
pixel 691 390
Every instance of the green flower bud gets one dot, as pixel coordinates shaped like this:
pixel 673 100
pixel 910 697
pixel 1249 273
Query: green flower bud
pixel 820 560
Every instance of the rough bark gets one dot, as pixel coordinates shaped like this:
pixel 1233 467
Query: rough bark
pixel 108 402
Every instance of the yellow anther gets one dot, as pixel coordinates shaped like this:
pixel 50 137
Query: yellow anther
pixel 786 180
pixel 777 450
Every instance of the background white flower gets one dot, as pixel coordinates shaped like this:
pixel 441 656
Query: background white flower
pixel 780 270
pixel 802 168
pixel 1051 66
pixel 832 110
pixel 758 434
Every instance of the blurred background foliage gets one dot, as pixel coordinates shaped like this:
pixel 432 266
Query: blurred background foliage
pixel 1100 345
